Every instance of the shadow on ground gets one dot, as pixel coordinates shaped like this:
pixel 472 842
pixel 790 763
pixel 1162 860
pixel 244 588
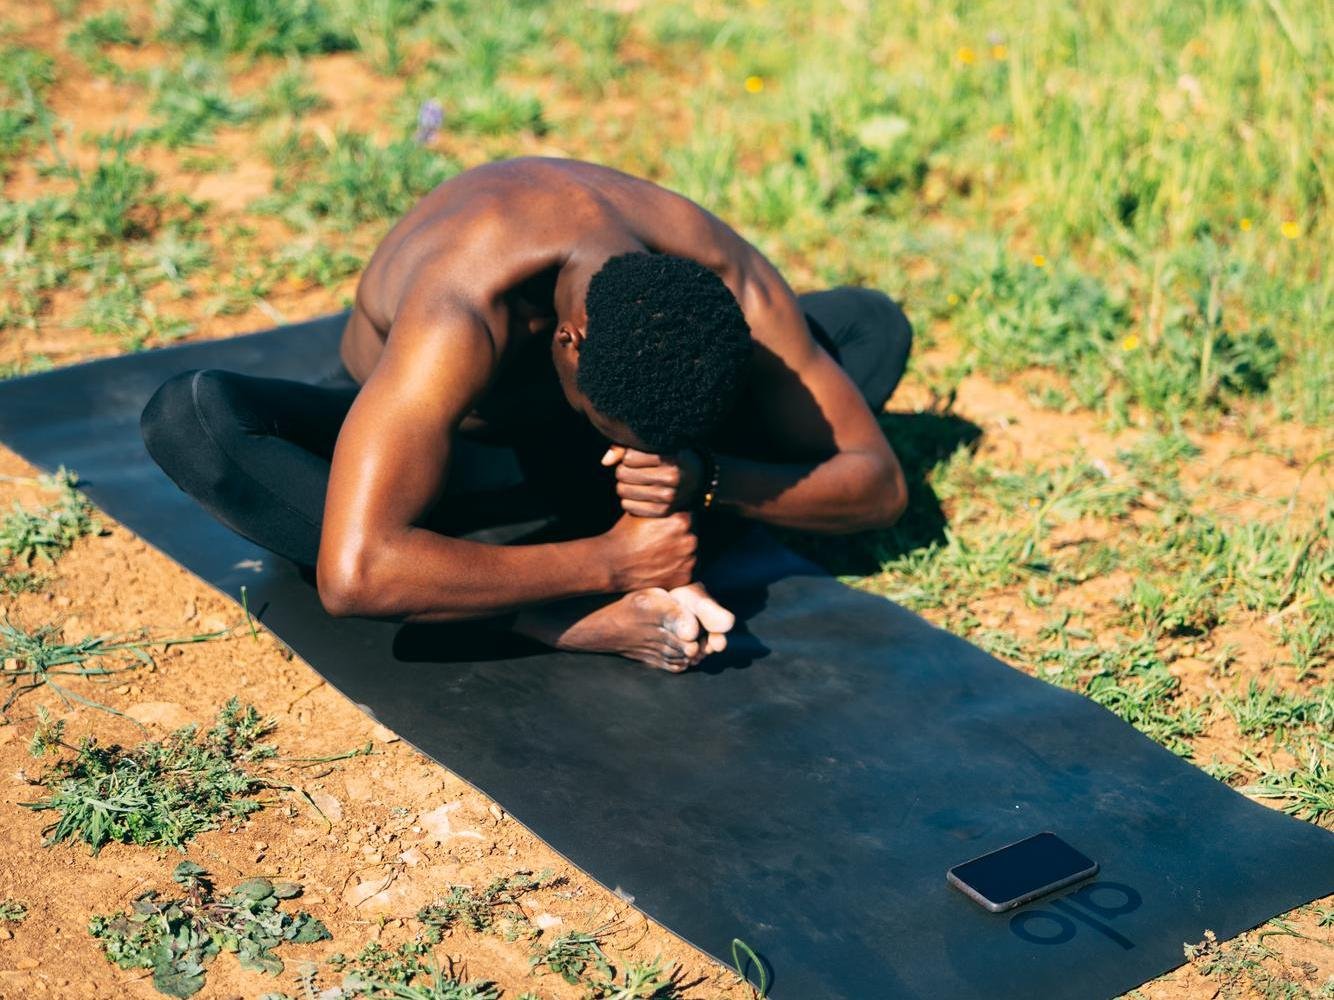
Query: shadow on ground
pixel 922 441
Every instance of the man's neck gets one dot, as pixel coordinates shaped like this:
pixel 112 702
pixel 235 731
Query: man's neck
pixel 572 288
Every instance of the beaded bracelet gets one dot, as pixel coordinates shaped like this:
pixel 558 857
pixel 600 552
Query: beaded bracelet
pixel 711 474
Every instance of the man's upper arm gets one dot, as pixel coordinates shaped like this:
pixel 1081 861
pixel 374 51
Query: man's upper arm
pixel 392 456
pixel 803 395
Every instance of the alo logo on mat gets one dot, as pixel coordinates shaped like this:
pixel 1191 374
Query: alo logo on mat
pixel 1093 906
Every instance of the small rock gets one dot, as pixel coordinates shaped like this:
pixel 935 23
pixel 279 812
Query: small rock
pixel 62 601
pixel 496 811
pixel 5 934
pixel 412 857
pixel 373 892
pixel 162 713
pixel 191 610
pixel 123 689
pixel 327 804
pixel 27 964
pixel 384 734
pixel 546 921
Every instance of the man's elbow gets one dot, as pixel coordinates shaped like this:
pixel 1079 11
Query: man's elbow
pixel 888 497
pixel 345 585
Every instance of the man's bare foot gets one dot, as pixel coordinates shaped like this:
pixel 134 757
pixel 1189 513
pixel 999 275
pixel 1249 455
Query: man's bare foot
pixel 715 621
pixel 652 626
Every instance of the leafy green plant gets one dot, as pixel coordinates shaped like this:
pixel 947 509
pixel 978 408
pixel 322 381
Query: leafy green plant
pixel 253 27
pixel 641 981
pixel 179 938
pixel 192 102
pixel 290 93
pixel 164 792
pixel 1307 789
pixel 1264 711
pixel 495 907
pixel 570 955
pixel 99 30
pixel 743 959
pixel 25 75
pixel 405 973
pixel 46 533
pixel 12 911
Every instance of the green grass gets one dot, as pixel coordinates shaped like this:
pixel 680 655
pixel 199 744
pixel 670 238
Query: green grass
pixel 191 102
pixel 42 657
pixel 252 27
pixel 159 792
pixel 25 76
pixel 179 938
pixel 12 911
pixel 349 179
pixel 29 536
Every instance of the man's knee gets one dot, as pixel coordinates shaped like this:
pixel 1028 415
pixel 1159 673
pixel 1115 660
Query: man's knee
pixel 181 425
pixel 883 318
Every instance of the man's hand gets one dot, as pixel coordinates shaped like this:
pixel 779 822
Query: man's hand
pixel 655 485
pixel 652 552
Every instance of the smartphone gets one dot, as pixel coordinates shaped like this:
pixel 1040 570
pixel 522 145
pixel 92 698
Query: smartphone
pixel 1020 872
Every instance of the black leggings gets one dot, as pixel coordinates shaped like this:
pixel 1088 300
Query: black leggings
pixel 255 452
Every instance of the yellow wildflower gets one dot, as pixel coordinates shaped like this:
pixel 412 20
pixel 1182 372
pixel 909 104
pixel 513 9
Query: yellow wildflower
pixel 952 299
pixel 1244 225
pixel 999 51
pixel 1130 342
pixel 1039 260
pixel 966 55
pixel 1290 230
pixel 754 84
pixel 1034 502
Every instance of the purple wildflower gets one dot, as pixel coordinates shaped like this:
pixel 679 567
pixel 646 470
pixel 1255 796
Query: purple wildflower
pixel 429 119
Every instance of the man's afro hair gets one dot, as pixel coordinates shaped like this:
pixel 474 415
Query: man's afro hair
pixel 665 348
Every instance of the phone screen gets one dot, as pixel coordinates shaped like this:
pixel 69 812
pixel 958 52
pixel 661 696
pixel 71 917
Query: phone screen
pixel 1022 871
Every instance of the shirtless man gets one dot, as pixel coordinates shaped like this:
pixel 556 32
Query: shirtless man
pixel 633 349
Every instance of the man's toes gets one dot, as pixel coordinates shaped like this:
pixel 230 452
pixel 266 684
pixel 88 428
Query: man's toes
pixel 671 663
pixel 715 643
pixel 712 615
pixel 682 624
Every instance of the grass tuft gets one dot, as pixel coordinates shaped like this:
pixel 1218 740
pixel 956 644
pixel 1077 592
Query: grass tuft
pixel 164 793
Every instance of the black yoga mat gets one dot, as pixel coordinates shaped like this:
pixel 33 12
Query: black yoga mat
pixel 806 791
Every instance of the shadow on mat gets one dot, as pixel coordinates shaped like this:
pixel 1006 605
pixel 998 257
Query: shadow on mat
pixel 480 642
pixel 922 441
pixel 473 642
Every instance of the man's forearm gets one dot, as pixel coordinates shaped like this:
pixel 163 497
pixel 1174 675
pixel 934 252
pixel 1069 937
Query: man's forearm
pixel 852 491
pixel 418 575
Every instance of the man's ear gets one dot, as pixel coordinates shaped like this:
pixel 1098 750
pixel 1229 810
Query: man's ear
pixel 569 335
